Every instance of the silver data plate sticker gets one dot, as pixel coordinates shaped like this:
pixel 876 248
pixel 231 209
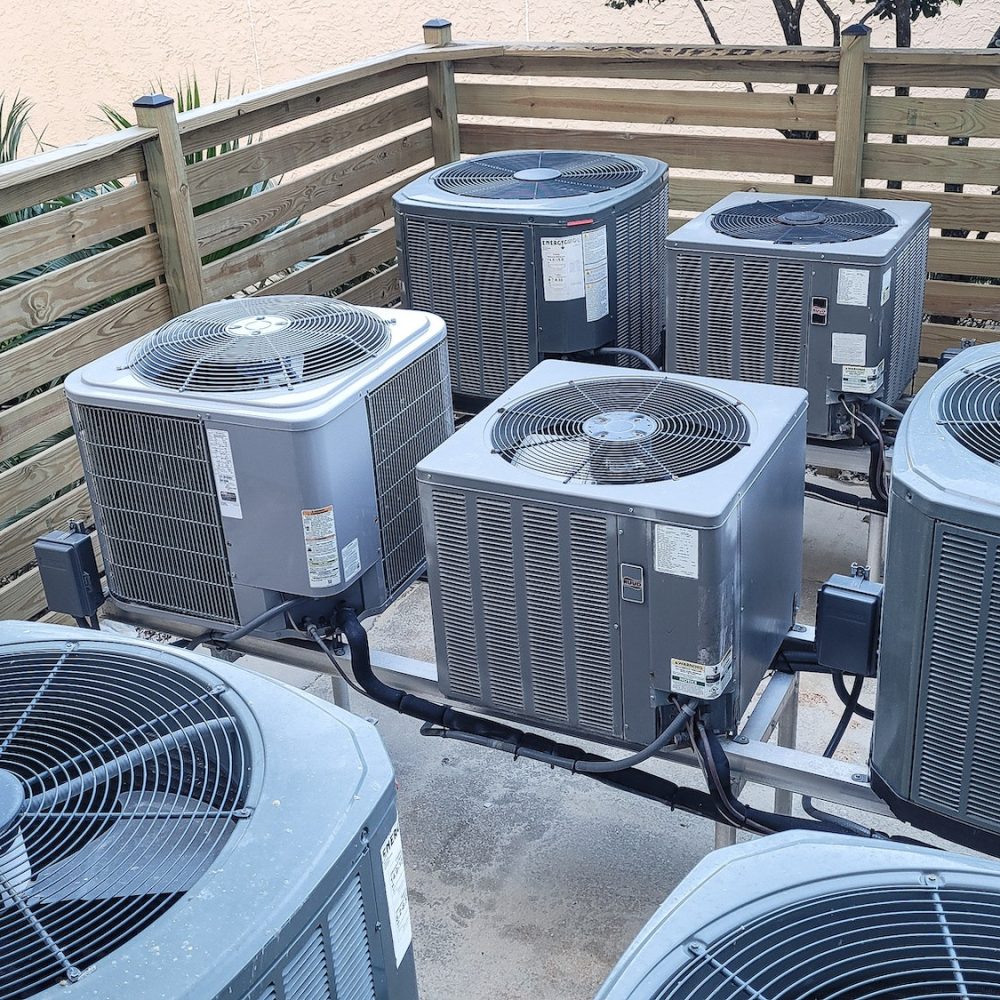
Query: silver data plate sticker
pixel 701 680
pixel 394 875
pixel 319 529
pixel 351 558
pixel 886 286
pixel 675 550
pixel 224 472
pixel 562 268
pixel 852 286
pixel 849 349
pixel 595 273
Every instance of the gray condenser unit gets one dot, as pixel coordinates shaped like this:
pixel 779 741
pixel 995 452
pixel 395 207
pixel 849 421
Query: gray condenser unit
pixel 601 540
pixel 173 828
pixel 822 293
pixel 936 749
pixel 259 449
pixel 534 253
pixel 809 916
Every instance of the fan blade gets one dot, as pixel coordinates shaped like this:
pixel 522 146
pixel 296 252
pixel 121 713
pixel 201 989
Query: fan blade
pixel 127 860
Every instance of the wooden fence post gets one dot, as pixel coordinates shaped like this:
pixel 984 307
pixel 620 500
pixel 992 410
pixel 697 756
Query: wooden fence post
pixel 168 186
pixel 852 100
pixel 443 100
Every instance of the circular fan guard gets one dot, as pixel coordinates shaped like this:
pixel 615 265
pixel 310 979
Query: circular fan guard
pixel 133 774
pixel 276 341
pixel 889 943
pixel 620 430
pixel 802 220
pixel 970 410
pixel 530 175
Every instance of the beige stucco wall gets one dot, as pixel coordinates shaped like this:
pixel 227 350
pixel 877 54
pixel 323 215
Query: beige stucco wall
pixel 69 57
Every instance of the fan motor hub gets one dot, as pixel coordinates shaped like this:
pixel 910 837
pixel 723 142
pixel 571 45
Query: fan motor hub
pixel 619 425
pixel 258 326
pixel 11 803
pixel 538 174
pixel 801 218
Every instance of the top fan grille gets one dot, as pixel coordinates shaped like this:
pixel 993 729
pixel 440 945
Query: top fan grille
pixel 888 942
pixel 803 220
pixel 643 429
pixel 276 341
pixel 531 175
pixel 133 775
pixel 970 409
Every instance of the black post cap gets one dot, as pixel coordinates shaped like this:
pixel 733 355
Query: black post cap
pixel 437 22
pixel 856 29
pixel 153 101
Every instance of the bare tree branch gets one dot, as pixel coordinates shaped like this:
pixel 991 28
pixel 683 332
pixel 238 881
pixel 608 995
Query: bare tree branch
pixel 834 18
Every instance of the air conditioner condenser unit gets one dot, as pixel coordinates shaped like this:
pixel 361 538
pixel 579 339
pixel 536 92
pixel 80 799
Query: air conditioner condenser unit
pixel 535 253
pixel 600 541
pixel 822 293
pixel 174 828
pixel 259 449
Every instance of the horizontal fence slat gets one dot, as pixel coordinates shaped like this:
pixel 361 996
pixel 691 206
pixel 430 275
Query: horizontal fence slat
pixel 40 178
pixel 41 476
pixel 959 68
pixel 311 237
pixel 962 299
pixel 948 210
pixel 968 256
pixel 259 161
pixel 23 598
pixel 660 107
pixel 35 303
pixel 17 538
pixel 381 290
pixel 695 194
pixel 76 227
pixel 641 52
pixel 29 423
pixel 54 354
pixel 792 156
pixel 938 337
pixel 952 164
pixel 611 68
pixel 248 217
pixel 340 267
pixel 934 116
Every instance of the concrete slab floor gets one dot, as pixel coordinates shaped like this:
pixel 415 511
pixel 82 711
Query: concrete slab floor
pixel 529 882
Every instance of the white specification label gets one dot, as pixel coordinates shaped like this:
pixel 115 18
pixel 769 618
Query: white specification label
pixel 852 286
pixel 886 286
pixel 862 379
pixel 562 268
pixel 351 557
pixel 319 529
pixel 676 550
pixel 225 473
pixel 395 888
pixel 701 680
pixel 849 349
pixel 595 272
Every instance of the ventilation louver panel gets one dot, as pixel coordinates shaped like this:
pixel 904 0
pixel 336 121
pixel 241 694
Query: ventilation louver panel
pixel 250 344
pixel 879 942
pixel 526 176
pixel 121 779
pixel 970 410
pixel 620 430
pixel 802 220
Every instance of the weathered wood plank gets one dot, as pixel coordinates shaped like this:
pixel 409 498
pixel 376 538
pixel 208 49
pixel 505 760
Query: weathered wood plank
pixel 441 99
pixel 32 304
pixel 793 156
pixel 642 52
pixel 852 97
pixel 654 107
pixel 316 235
pixel 938 337
pixel 40 178
pixel 75 227
pixel 381 290
pixel 259 161
pixel 972 117
pixel 248 217
pixel 17 538
pixel 324 275
pixel 952 164
pixel 975 212
pixel 39 477
pixel 695 194
pixel 973 73
pixel 961 299
pixel 970 256
pixel 54 354
pixel 28 423
pixel 23 598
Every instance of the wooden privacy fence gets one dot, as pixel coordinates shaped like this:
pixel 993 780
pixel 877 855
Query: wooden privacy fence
pixel 166 233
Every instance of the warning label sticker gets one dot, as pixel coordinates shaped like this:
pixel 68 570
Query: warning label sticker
pixel 852 286
pixel 395 887
pixel 319 529
pixel 848 349
pixel 701 680
pixel 595 272
pixel 676 550
pixel 224 472
pixel 859 378
pixel 351 557
pixel 562 268
pixel 886 286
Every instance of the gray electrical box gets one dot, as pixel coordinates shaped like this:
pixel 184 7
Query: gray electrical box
pixel 935 756
pixel 848 615
pixel 822 293
pixel 600 540
pixel 535 253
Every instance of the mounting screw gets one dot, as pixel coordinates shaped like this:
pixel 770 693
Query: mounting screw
pixel 242 813
pixel 742 740
pixel 696 948
pixel 615 626
pixel 859 777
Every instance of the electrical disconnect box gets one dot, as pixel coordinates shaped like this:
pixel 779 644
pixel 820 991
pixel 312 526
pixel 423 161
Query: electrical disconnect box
pixel 848 616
